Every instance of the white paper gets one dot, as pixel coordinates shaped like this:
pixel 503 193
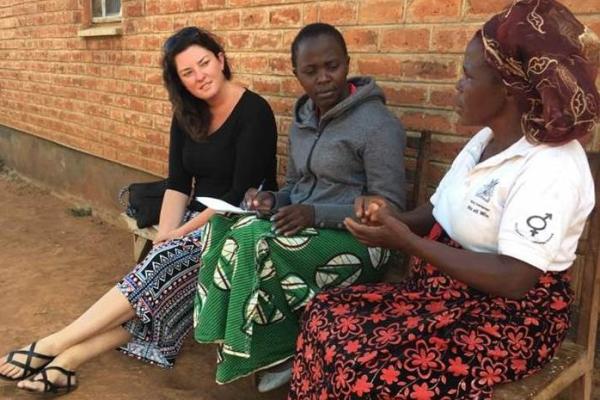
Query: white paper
pixel 222 206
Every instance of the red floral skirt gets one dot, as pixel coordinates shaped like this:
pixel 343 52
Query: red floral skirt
pixel 430 337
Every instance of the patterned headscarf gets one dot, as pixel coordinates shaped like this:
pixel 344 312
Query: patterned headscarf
pixel 543 52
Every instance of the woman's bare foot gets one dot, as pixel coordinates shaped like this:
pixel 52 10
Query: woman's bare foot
pixel 25 361
pixel 56 377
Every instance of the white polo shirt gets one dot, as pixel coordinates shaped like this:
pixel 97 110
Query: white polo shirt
pixel 529 202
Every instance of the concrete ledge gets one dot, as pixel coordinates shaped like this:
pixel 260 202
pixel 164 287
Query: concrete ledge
pixel 114 30
pixel 77 176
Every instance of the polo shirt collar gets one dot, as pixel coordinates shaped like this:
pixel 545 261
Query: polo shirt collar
pixel 518 149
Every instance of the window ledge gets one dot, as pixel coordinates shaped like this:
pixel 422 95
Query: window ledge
pixel 101 31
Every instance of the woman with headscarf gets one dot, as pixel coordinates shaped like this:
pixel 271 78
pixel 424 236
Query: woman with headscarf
pixel 488 297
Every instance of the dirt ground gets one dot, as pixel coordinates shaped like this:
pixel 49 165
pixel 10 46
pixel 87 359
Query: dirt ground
pixel 53 266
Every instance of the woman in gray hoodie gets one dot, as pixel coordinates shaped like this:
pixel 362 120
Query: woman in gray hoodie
pixel 259 272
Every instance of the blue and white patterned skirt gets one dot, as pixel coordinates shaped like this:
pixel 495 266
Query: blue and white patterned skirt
pixel 161 290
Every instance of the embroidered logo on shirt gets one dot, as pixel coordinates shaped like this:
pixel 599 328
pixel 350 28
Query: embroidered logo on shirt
pixel 485 193
pixel 535 225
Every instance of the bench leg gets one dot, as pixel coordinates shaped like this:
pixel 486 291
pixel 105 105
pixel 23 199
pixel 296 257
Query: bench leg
pixel 141 247
pixel 581 389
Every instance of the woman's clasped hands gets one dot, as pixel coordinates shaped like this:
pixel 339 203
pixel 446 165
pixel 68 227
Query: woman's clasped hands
pixel 377 223
pixel 287 220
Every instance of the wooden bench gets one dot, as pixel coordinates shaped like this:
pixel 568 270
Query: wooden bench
pixel 142 237
pixel 570 371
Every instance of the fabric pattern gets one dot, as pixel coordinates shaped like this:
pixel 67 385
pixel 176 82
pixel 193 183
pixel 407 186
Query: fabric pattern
pixel 430 337
pixel 161 291
pixel 541 50
pixel 253 284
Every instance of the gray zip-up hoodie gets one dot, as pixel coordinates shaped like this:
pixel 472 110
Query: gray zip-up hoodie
pixel 357 148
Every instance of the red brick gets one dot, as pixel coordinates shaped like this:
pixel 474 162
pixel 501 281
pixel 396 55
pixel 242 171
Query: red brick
pixel 227 20
pixel 153 43
pixel 410 68
pixel 288 38
pixel 405 39
pixel 254 63
pixel 442 96
pixel 284 17
pixel 280 64
pixel 380 11
pixel 433 10
pixel 133 9
pixel 404 95
pixel 164 124
pixel 254 18
pixel 291 87
pixel 266 85
pixel 338 13
pixel 452 39
pixel 203 20
pixel 438 122
pixel 360 39
pixel 164 24
pixel 238 40
pixel 311 13
pixel 283 124
pixel 267 41
pixel 189 5
pixel 485 8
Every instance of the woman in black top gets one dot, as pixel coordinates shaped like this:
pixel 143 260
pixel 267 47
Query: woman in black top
pixel 223 141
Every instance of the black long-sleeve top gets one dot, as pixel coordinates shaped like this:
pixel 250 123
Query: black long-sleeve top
pixel 237 156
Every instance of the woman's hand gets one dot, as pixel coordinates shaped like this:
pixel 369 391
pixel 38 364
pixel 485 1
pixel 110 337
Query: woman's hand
pixel 162 237
pixel 372 210
pixel 259 201
pixel 290 220
pixel 387 232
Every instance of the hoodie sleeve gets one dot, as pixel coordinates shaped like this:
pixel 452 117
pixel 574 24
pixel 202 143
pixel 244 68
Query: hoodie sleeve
pixel 383 158
pixel 384 162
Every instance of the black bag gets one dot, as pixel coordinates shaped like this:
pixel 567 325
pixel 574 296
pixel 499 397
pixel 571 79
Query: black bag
pixel 145 201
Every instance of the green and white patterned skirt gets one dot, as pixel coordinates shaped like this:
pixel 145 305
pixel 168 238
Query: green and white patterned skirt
pixel 253 285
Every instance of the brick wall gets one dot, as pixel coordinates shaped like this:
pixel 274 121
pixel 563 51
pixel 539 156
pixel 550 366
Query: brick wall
pixel 104 95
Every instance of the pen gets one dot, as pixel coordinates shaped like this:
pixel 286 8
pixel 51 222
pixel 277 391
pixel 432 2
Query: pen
pixel 245 205
pixel 260 187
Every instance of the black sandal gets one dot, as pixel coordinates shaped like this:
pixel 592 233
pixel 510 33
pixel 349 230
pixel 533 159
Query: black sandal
pixel 28 370
pixel 51 387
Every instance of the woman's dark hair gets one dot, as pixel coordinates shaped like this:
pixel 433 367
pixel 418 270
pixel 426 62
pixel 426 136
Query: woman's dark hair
pixel 192 114
pixel 312 31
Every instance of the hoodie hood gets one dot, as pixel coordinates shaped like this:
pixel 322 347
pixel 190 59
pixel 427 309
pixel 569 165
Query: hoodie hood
pixel 305 113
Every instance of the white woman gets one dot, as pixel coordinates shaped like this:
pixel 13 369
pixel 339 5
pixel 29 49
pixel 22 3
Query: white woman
pixel 223 141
